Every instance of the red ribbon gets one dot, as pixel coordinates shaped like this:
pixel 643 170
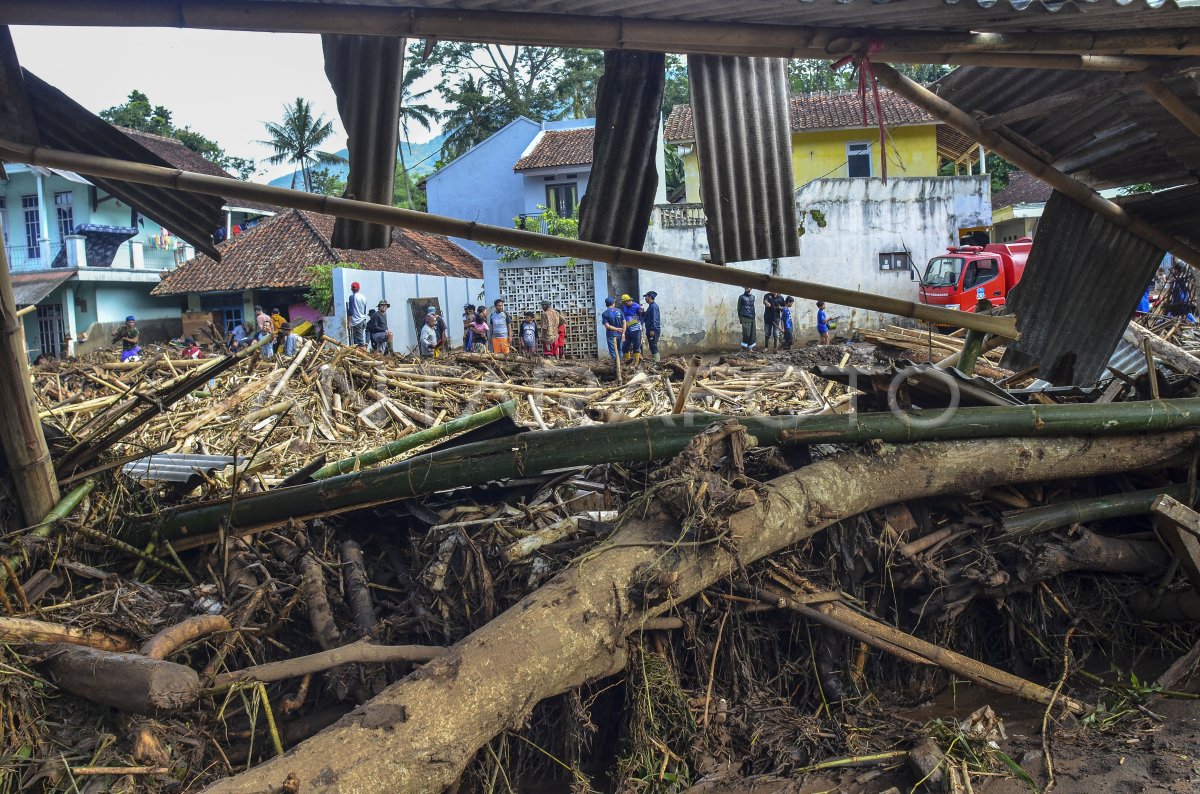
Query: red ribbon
pixel 862 65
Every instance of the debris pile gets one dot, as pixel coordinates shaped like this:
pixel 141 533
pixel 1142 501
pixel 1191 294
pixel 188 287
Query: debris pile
pixel 502 574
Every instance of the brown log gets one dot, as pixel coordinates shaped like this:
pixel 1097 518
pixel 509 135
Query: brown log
pixel 125 681
pixel 172 638
pixel 1092 552
pixel 361 651
pixel 357 591
pixel 22 630
pixel 420 733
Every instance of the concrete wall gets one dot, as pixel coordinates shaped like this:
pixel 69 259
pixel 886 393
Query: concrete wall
pixel 862 218
pixel 570 301
pixel 398 289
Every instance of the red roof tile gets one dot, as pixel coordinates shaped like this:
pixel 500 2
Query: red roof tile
pixel 1023 188
pixel 183 158
pixel 277 252
pixel 821 111
pixel 558 148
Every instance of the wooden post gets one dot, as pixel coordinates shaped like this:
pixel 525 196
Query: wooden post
pixel 1180 526
pixel 20 428
pixel 689 378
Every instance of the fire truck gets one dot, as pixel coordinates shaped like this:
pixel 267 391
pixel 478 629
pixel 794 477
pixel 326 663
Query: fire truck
pixel 967 274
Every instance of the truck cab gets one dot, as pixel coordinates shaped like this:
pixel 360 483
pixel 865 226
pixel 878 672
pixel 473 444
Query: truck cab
pixel 966 274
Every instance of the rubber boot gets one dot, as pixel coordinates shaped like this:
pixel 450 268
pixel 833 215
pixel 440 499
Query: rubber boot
pixel 657 358
pixel 637 360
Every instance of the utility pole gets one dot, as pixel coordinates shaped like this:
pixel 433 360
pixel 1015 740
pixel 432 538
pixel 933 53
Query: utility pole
pixel 20 428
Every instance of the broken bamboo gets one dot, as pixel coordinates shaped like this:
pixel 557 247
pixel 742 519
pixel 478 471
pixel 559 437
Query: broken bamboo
pixel 1021 523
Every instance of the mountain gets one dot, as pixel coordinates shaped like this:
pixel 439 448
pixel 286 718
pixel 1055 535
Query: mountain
pixel 419 157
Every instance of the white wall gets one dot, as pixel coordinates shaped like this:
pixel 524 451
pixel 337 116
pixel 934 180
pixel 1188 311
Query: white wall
pixel 398 288
pixel 862 218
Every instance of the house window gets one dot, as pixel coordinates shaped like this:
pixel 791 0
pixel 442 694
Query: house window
pixel 858 158
pixel 64 209
pixel 562 198
pixel 227 309
pixel 33 226
pixel 896 260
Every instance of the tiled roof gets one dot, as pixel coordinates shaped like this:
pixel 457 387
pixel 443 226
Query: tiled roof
pixel 276 254
pixel 183 158
pixel 822 111
pixel 30 287
pixel 1023 188
pixel 558 148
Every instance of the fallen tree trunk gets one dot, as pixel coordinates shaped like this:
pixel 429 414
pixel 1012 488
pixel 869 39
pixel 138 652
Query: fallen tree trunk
pixel 1164 351
pixel 421 732
pixel 126 681
pixel 647 440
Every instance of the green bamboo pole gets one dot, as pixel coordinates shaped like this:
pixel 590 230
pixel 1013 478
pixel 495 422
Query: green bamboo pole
pixel 231 188
pixel 647 440
pixel 414 440
pixel 1020 523
pixel 64 508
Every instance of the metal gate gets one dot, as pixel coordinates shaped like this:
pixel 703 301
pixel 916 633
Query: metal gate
pixel 52 330
pixel 570 289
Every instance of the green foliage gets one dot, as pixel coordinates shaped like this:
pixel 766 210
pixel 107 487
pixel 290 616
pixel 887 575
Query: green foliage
pixel 326 182
pixel 320 287
pixel 674 167
pixel 676 91
pixel 555 224
pixel 405 192
pixel 296 140
pixel 1141 187
pixel 1000 170
pixel 578 81
pixel 413 110
pixel 657 715
pixel 138 114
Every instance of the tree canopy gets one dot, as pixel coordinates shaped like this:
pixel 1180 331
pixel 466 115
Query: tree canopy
pixel 138 113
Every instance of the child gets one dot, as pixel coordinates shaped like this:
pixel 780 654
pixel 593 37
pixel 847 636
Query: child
pixel 529 334
pixel 468 321
pixel 822 323
pixel 191 349
pixel 479 331
pixel 785 318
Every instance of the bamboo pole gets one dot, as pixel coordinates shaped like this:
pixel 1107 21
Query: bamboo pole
pixel 361 651
pixel 414 440
pixel 685 389
pixel 231 188
pixel 603 32
pixel 1020 523
pixel 1174 105
pixel 52 516
pixel 20 429
pixel 963 122
pixel 22 630
pixel 647 440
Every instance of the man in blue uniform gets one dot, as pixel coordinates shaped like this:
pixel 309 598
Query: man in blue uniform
pixel 653 322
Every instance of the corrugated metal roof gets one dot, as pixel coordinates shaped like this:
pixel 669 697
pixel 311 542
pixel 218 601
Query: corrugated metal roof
pixel 1175 211
pixel 744 149
pixel 64 124
pixel 624 177
pixel 175 467
pixel 1110 140
pixel 31 287
pixel 928 385
pixel 366 73
pixel 1080 288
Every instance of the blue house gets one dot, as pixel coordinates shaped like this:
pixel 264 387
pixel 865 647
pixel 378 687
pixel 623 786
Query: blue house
pixel 513 173
pixel 82 260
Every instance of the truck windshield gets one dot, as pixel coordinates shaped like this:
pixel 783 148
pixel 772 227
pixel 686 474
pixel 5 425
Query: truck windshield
pixel 943 271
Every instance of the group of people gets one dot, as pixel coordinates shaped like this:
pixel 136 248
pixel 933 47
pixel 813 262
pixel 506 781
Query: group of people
pixel 778 321
pixel 273 327
pixel 624 326
pixel 543 332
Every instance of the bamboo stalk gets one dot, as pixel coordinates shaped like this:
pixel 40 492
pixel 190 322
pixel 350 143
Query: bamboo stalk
pixel 22 630
pixel 287 374
pixel 1021 523
pixel 1017 155
pixel 60 511
pixel 413 440
pixel 361 651
pixel 647 440
pixel 685 389
pixel 230 188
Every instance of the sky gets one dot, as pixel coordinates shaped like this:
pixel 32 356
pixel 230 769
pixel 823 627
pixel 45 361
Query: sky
pixel 221 84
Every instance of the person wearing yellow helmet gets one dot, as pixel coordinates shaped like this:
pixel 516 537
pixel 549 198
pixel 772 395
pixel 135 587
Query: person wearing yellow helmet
pixel 633 312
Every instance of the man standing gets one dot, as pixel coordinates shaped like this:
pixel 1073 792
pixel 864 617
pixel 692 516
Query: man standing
pixel 128 335
pixel 498 324
pixel 443 332
pixel 277 319
pixel 653 323
pixel 548 324
pixel 822 323
pixel 468 318
pixel 427 341
pixel 356 310
pixel 745 311
pixel 633 330
pixel 614 326
pixel 264 323
pixel 377 329
pixel 771 306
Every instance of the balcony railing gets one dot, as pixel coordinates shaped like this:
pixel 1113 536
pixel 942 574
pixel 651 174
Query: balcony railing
pixel 680 216
pixel 160 258
pixel 23 257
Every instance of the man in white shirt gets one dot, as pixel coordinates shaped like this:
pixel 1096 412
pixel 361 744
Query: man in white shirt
pixel 357 311
pixel 428 339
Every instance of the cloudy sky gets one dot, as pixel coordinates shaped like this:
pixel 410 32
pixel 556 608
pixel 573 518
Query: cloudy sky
pixel 221 84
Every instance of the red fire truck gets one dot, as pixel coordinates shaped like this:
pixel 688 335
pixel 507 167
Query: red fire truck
pixel 966 274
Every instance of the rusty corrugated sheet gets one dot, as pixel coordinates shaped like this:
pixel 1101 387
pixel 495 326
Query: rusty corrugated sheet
pixel 624 177
pixel 744 150
pixel 64 124
pixel 366 74
pixel 1081 285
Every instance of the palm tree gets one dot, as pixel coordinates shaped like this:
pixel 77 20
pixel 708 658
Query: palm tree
pixel 412 110
pixel 297 138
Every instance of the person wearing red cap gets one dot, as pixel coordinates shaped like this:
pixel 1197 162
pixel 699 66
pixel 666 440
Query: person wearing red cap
pixel 356 310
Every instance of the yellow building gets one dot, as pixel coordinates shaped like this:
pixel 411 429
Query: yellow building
pixel 830 141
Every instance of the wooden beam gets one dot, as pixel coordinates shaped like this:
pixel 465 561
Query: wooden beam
pixel 1179 526
pixel 20 429
pixel 231 188
pixel 1174 105
pixel 1023 159
pixel 1118 51
pixel 1103 87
